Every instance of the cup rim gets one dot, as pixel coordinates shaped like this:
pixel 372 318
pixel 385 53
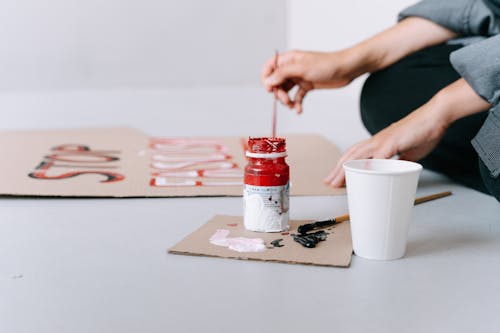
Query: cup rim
pixel 411 167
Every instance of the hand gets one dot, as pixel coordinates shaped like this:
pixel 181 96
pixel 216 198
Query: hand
pixel 307 71
pixel 413 137
pixel 313 70
pixel 416 135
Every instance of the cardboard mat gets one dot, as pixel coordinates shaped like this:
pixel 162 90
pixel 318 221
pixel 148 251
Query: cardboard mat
pixel 336 250
pixel 124 162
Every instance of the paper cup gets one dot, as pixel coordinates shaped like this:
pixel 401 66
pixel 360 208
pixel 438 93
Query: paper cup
pixel 380 195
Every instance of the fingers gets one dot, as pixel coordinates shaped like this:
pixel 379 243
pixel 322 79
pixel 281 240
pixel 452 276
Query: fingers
pixel 304 88
pixel 299 97
pixel 283 97
pixel 269 66
pixel 281 75
pixel 371 148
pixel 267 69
pixel 336 177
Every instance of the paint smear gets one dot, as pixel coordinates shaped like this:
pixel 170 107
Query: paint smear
pixel 239 244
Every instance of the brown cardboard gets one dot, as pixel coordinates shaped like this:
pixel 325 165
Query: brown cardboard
pixel 336 250
pixel 121 162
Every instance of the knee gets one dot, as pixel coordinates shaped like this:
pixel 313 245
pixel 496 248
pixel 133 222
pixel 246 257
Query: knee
pixel 491 183
pixel 369 106
pixel 377 104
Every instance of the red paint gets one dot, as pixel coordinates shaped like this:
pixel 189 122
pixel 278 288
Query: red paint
pixel 285 233
pixel 267 171
pixel 85 157
pixel 110 177
pixel 188 162
pixel 232 224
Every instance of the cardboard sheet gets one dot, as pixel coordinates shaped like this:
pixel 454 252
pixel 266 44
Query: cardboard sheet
pixel 124 162
pixel 336 250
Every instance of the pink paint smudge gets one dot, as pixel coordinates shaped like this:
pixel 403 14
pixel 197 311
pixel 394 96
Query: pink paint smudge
pixel 239 244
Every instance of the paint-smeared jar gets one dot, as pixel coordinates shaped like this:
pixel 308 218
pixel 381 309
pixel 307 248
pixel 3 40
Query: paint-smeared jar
pixel 265 196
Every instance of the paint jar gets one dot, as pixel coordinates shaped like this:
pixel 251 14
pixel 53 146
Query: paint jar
pixel 266 191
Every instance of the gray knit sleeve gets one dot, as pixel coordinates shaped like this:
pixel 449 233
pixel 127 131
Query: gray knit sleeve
pixel 479 65
pixel 466 17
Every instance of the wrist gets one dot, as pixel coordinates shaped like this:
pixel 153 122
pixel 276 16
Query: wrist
pixel 355 61
pixel 441 109
pixel 458 100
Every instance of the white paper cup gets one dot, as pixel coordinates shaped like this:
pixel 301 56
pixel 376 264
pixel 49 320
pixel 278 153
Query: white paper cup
pixel 380 195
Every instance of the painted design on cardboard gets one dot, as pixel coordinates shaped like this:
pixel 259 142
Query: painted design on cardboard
pixel 239 244
pixel 188 162
pixel 83 161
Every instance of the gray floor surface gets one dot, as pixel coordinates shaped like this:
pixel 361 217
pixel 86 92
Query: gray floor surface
pixel 89 265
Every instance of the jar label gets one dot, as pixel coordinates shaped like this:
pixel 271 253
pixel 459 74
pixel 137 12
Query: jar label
pixel 266 208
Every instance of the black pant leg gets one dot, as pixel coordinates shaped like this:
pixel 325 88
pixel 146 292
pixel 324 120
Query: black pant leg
pixel 394 92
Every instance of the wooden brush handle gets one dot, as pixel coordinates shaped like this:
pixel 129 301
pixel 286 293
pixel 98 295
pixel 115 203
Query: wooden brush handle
pixel 432 197
pixel 418 201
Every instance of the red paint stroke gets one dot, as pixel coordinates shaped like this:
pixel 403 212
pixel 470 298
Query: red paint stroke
pixel 111 177
pixel 232 224
pixel 84 156
pixel 183 162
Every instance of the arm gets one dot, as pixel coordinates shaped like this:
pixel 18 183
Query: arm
pixel 416 135
pixel 313 70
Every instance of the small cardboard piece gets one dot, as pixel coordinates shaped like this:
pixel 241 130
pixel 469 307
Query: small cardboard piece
pixel 336 250
pixel 122 162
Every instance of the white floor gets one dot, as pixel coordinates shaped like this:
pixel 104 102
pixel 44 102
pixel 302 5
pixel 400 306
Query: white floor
pixel 87 265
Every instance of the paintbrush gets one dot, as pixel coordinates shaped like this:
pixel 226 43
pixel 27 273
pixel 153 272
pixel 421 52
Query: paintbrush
pixel 303 229
pixel 275 103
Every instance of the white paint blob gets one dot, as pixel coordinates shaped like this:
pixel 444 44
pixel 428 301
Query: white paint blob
pixel 239 244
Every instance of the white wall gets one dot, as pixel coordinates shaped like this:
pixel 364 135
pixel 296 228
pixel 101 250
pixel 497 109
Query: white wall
pixel 328 25
pixel 333 24
pixel 73 44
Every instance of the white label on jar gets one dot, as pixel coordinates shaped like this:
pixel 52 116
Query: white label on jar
pixel 266 208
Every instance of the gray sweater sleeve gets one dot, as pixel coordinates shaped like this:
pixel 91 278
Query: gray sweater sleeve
pixel 466 17
pixel 479 65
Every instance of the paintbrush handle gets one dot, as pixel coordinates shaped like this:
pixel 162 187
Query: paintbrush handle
pixel 342 218
pixel 432 197
pixel 418 201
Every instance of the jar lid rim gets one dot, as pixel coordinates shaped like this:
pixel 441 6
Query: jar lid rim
pixel 266 155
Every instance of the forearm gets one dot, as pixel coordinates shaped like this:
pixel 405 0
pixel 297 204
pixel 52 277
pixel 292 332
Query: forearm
pixel 457 100
pixel 406 37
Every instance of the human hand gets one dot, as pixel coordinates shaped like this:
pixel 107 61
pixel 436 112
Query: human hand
pixel 306 71
pixel 417 134
pixel 413 137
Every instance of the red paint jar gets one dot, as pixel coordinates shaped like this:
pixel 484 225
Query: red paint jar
pixel 266 192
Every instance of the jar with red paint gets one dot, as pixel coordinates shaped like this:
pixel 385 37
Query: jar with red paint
pixel 266 191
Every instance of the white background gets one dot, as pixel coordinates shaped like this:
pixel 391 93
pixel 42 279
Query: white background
pixel 75 44
pixel 88 62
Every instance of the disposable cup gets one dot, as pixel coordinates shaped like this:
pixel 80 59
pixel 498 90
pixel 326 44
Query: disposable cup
pixel 380 195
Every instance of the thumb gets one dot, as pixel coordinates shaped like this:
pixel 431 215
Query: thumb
pixel 281 74
pixel 412 155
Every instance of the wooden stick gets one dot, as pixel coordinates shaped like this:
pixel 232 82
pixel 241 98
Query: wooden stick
pixel 339 219
pixel 432 197
pixel 275 103
pixel 418 201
